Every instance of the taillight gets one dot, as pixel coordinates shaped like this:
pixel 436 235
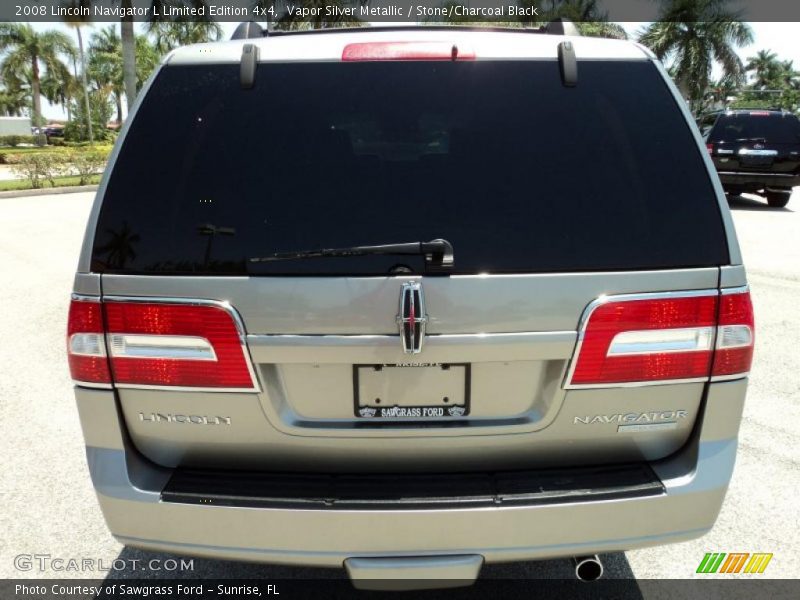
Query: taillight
pixel 710 148
pixel 405 51
pixel 86 345
pixel 196 345
pixel 646 338
pixel 735 335
pixel 664 338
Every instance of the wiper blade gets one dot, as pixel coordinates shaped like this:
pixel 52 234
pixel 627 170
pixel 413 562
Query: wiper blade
pixel 439 252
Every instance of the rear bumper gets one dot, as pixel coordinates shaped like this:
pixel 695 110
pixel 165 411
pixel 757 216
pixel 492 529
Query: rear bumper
pixel 129 490
pixel 759 180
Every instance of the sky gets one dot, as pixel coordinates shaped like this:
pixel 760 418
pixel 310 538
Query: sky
pixel 781 38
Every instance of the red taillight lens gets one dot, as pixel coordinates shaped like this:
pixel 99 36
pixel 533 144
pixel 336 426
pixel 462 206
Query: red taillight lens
pixel 162 344
pixel 86 347
pixel 181 345
pixel 735 335
pixel 647 340
pixel 405 51
pixel 710 148
pixel 665 338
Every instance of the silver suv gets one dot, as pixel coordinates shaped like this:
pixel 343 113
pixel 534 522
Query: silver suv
pixel 407 301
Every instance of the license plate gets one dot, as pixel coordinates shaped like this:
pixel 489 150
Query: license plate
pixel 411 391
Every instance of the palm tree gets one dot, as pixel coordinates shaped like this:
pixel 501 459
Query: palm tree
pixel 105 64
pixel 696 34
pixel 586 14
pixel 13 100
pixel 321 21
pixel 120 247
pixel 28 49
pixel 766 66
pixel 147 59
pixel 76 24
pixel 787 75
pixel 604 29
pixel 171 34
pixel 59 87
pixel 128 54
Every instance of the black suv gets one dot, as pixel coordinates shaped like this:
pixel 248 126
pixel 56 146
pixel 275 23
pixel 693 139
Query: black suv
pixel 755 151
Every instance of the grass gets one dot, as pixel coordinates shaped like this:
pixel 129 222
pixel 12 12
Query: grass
pixel 24 184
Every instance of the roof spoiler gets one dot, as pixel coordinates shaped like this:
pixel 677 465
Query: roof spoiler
pixel 561 27
pixel 248 30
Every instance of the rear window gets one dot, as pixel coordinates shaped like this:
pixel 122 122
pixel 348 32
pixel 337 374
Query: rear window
pixel 743 127
pixel 519 173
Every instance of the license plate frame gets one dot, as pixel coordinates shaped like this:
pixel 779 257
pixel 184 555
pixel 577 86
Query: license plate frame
pixel 393 411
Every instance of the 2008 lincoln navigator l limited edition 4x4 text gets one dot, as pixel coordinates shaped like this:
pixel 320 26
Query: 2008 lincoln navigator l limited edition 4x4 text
pixel 406 301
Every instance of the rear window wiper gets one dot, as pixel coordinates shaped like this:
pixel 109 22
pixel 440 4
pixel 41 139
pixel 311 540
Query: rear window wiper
pixel 437 252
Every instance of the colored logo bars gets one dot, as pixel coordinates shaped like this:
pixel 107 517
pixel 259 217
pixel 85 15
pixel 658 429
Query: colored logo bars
pixel 735 562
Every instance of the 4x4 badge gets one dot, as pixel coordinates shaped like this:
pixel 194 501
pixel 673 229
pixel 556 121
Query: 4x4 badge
pixel 412 318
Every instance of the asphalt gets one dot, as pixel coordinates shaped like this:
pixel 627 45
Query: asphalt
pixel 49 508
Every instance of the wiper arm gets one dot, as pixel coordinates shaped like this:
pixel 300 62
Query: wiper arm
pixel 439 252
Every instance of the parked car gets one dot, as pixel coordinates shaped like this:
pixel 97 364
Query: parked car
pixel 756 151
pixel 54 131
pixel 358 307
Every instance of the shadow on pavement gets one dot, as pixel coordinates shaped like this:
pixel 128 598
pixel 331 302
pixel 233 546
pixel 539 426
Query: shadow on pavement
pixel 752 202
pixel 509 580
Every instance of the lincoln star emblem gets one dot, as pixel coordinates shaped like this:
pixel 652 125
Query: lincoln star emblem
pixel 412 318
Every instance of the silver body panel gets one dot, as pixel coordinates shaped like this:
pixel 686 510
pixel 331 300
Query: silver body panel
pixel 128 487
pixel 305 334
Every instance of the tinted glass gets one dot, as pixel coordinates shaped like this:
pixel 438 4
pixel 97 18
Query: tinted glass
pixel 519 173
pixel 774 128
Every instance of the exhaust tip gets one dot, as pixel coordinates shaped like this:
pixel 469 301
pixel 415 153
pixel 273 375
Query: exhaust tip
pixel 588 568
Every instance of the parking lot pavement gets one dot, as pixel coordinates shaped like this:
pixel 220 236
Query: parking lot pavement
pixel 49 507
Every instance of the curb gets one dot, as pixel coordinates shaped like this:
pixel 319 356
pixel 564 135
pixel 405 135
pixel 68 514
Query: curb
pixel 72 189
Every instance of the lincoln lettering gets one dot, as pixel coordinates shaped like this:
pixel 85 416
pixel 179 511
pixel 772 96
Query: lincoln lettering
pixel 177 418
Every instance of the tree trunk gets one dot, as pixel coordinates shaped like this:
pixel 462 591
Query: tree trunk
pixel 118 98
pixel 35 92
pixel 85 87
pixel 128 56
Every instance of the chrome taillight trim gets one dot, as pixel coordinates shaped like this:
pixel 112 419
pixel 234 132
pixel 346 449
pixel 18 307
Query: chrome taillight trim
pixel 240 330
pixel 162 347
pixel 742 289
pixel 584 322
pixel 93 385
pixel 732 377
pixel 84 298
pixel 657 341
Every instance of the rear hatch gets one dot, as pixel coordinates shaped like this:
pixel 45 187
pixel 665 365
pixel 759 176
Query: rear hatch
pixel 756 141
pixel 551 197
